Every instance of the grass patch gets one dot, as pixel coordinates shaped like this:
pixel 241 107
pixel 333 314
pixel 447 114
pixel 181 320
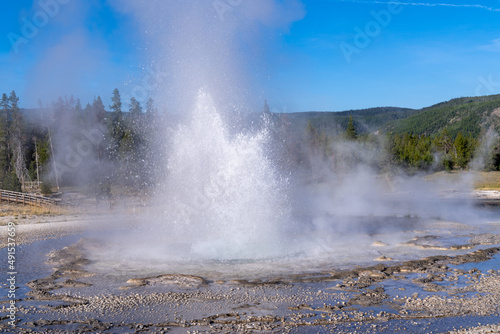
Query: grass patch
pixel 488 181
pixel 480 180
pixel 24 211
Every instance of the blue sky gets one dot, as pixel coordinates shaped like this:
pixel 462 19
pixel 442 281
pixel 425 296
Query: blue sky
pixel 328 55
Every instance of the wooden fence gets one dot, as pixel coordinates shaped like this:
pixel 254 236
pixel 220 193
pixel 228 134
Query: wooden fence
pixel 27 199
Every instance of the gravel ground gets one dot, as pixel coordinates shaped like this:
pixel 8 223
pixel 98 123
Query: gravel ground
pixel 51 228
pixel 478 330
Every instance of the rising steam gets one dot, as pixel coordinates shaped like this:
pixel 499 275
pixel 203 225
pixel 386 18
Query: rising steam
pixel 225 188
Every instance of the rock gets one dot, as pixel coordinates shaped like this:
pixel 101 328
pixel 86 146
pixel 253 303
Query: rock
pixel 184 281
pixel 379 244
pixel 372 274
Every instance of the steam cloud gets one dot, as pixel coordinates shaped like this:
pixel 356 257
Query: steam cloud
pixel 209 44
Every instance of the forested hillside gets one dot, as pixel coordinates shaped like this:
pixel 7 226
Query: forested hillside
pixel 447 135
pixel 365 120
pixel 470 116
pixel 98 147
pixel 65 144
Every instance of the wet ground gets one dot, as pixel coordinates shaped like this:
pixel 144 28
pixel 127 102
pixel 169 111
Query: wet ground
pixel 435 277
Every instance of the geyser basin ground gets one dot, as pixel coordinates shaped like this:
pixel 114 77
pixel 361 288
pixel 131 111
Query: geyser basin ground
pixel 443 275
pixel 389 239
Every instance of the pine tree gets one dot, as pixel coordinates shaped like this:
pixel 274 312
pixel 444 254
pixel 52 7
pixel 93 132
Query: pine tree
pixel 135 108
pixel 462 151
pixel 5 105
pixel 494 163
pixel 71 102
pixel 16 141
pixel 351 130
pixel 99 113
pixel 116 107
pixel 99 116
pixel 60 110
pixel 87 115
pixel 116 126
pixel 444 142
pixel 150 107
pixel 311 133
pixel 4 140
pixel 78 107
pixel 135 116
pixel 37 151
pixel 11 182
pixel 266 111
pixel 78 112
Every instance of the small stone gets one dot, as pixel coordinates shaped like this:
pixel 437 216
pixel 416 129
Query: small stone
pixel 379 244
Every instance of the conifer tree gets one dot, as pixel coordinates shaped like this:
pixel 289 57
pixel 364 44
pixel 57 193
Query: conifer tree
pixel 99 113
pixel 462 150
pixel 135 108
pixel 4 140
pixel 266 111
pixel 150 108
pixel 115 126
pixel 351 130
pixel 116 107
pixel 16 142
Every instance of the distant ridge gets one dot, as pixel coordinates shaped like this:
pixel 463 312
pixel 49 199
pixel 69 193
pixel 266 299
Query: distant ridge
pixel 365 120
pixel 469 115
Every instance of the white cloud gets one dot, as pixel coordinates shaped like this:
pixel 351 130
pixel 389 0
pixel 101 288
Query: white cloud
pixel 494 46
pixel 273 13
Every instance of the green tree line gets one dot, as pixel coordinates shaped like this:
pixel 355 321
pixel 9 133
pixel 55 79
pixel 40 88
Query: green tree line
pixel 66 144
pixel 408 151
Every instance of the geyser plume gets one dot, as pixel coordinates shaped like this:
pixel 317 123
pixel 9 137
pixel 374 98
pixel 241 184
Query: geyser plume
pixel 222 196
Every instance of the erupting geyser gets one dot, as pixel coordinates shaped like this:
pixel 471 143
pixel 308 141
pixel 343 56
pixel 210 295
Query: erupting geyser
pixel 222 197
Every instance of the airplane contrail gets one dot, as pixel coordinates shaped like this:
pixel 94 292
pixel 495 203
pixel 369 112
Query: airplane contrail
pixel 426 4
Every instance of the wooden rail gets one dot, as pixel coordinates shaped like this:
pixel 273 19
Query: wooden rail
pixel 27 199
